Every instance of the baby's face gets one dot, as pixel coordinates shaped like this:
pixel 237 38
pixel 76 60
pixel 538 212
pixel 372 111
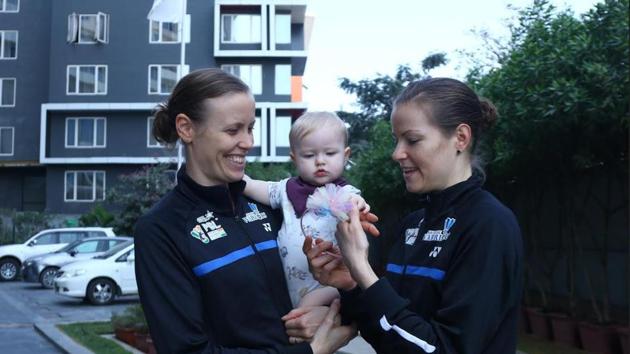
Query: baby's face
pixel 320 157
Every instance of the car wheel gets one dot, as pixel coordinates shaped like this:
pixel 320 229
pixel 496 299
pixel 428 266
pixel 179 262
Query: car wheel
pixel 101 291
pixel 47 278
pixel 8 269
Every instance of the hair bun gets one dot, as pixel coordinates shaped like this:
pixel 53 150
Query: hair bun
pixel 489 114
pixel 163 126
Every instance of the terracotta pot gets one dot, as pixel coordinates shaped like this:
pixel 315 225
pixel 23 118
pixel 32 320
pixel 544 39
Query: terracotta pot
pixel 523 322
pixel 624 337
pixel 141 342
pixel 599 339
pixel 539 322
pixel 565 329
pixel 126 335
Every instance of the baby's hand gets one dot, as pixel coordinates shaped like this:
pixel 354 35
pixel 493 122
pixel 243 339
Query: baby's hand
pixel 360 203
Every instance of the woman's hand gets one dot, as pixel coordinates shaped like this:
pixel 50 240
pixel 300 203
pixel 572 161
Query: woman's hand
pixel 330 336
pixel 326 264
pixel 301 323
pixel 354 246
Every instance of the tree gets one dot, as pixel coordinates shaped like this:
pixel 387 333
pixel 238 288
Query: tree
pixel 561 88
pixel 136 193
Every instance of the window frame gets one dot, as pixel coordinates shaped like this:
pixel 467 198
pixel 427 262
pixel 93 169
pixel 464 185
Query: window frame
pixel 76 133
pixel 102 25
pixel 233 41
pixel 160 33
pixel 12 129
pixel 17 42
pixel 3 7
pixel 159 80
pixel 75 172
pixel 77 69
pixel 2 79
pixel 149 129
pixel 259 88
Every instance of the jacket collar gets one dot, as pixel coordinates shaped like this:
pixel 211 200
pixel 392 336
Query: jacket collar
pixel 440 202
pixel 221 198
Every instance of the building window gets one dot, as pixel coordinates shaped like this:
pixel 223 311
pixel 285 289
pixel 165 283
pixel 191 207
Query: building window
pixel 162 79
pixel 85 132
pixel 7 92
pixel 241 28
pixel 250 74
pixel 163 32
pixel 151 142
pixel 283 80
pixel 6 141
pixel 88 28
pixel 87 80
pixel 9 5
pixel 283 126
pixel 8 44
pixel 283 29
pixel 84 186
pixel 257 132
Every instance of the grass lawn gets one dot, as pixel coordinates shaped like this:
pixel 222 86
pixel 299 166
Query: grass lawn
pixel 89 335
pixel 531 345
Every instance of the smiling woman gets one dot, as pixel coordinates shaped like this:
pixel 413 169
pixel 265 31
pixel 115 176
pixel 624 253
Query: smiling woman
pixel 207 264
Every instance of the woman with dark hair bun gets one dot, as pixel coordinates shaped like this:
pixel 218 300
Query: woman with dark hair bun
pixel 454 276
pixel 207 263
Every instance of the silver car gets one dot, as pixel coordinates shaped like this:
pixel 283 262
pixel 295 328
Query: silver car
pixel 43 268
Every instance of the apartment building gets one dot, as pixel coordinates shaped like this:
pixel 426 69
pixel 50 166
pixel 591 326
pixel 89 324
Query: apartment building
pixel 80 78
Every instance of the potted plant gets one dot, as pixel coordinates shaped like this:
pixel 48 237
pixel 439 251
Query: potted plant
pixel 141 327
pixel 124 328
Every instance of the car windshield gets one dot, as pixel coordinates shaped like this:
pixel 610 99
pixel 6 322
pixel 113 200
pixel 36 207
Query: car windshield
pixel 113 250
pixel 69 246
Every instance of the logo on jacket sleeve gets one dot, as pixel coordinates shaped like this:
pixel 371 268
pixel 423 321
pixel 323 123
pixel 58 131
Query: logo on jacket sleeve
pixel 440 235
pixel 254 214
pixel 207 229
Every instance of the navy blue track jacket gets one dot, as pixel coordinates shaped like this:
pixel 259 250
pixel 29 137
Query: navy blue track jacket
pixel 453 281
pixel 209 273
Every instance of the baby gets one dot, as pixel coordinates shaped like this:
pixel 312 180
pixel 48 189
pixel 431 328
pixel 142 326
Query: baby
pixel 319 150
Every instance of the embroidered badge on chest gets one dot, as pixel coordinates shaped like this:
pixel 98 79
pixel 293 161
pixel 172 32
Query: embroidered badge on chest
pixel 207 229
pixel 440 235
pixel 412 234
pixel 254 214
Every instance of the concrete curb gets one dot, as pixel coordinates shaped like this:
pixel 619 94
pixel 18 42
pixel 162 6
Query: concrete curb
pixel 66 344
pixel 125 346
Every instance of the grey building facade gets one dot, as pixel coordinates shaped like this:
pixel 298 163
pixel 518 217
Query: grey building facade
pixel 80 78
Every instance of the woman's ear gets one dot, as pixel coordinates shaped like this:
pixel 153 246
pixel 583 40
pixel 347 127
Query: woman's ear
pixel 463 137
pixel 185 128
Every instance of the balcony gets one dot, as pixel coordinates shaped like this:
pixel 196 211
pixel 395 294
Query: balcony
pixel 260 28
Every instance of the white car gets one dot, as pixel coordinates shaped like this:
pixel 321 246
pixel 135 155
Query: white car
pixel 12 256
pixel 43 268
pixel 101 278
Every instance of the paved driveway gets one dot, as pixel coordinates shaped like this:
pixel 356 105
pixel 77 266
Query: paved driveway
pixel 23 304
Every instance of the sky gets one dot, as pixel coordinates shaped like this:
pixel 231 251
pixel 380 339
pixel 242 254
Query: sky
pixel 360 38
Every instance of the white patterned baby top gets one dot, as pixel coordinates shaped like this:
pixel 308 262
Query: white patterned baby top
pixel 290 239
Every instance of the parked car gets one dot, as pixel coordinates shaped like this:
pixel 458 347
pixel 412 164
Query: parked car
pixel 43 268
pixel 12 256
pixel 102 278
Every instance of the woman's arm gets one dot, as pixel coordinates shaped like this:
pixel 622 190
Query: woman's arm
pixel 257 190
pixel 481 289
